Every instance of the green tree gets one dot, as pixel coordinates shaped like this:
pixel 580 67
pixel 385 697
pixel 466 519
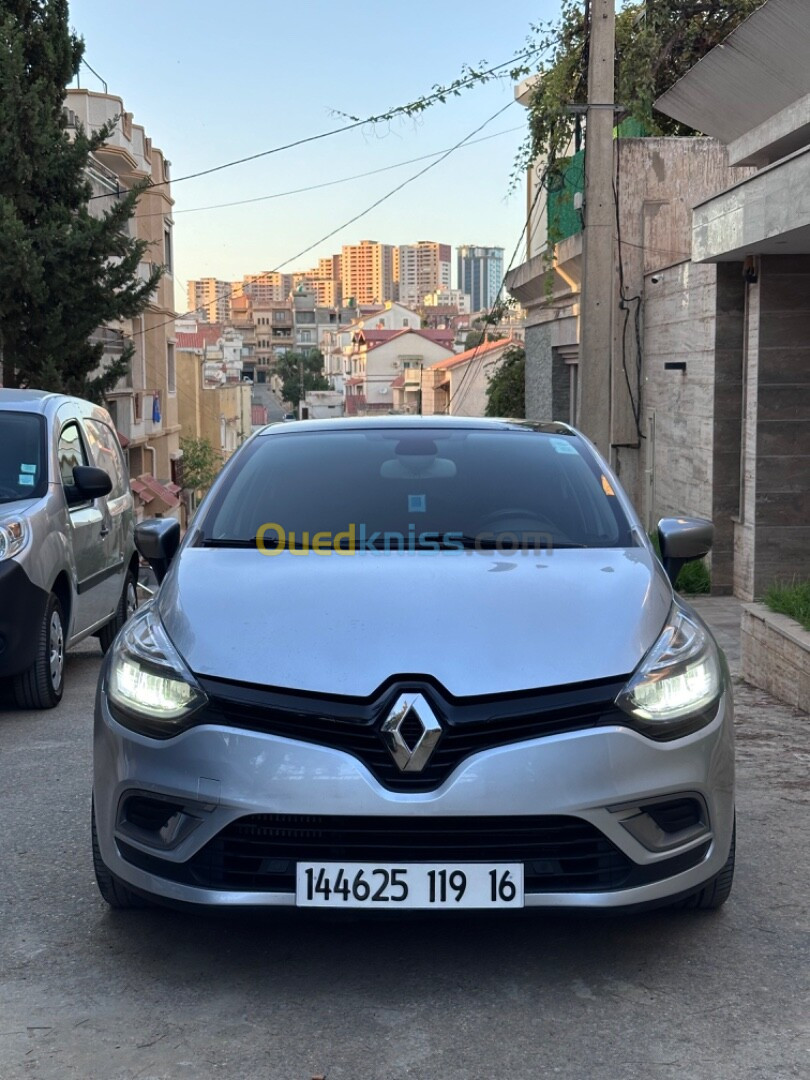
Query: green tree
pixel 506 392
pixel 656 43
pixel 64 271
pixel 301 369
pixel 475 338
pixel 201 464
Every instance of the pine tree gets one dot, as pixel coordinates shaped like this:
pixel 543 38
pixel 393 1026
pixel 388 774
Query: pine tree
pixel 64 272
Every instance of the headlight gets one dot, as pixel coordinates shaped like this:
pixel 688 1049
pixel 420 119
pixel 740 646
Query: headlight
pixel 13 537
pixel 149 686
pixel 678 683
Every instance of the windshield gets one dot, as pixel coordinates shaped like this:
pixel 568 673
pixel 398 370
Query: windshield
pixel 416 488
pixel 23 474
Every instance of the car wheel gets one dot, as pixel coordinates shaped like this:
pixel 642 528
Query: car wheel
pixel 113 890
pixel 40 687
pixel 714 893
pixel 127 605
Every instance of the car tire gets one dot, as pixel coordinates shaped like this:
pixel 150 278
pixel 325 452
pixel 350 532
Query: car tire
pixel 127 604
pixel 41 685
pixel 715 892
pixel 113 890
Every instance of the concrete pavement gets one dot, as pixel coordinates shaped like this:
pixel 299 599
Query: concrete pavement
pixel 156 995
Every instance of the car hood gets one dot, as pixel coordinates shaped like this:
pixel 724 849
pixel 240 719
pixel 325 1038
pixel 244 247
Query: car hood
pixel 478 622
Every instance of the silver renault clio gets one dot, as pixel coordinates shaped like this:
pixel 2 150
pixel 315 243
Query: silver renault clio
pixel 405 663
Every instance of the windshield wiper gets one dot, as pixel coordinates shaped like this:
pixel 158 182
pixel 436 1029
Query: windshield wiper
pixel 240 542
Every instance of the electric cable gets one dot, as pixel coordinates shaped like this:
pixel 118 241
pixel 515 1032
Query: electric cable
pixel 458 396
pixel 326 183
pixel 439 94
pixel 355 217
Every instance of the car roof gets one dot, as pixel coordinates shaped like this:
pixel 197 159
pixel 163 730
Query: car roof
pixel 45 403
pixel 421 423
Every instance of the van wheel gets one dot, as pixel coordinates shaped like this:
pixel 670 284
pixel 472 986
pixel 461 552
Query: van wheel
pixel 127 604
pixel 40 687
pixel 112 889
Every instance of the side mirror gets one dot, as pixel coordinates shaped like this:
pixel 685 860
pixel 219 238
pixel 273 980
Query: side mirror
pixel 88 483
pixel 682 540
pixel 158 540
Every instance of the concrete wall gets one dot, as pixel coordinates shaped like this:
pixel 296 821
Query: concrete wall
pixel 695 314
pixel 772 537
pixel 679 327
pixel 727 436
pixel 775 654
pixel 659 182
pixel 547 377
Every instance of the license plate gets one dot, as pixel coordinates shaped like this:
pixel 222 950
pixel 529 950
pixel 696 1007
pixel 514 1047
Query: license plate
pixel 409 885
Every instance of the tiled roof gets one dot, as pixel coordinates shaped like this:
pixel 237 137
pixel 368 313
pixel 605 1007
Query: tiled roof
pixel 147 488
pixel 480 350
pixel 207 334
pixel 375 338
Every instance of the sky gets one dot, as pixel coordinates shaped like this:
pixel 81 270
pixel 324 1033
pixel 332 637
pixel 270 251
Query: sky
pixel 213 81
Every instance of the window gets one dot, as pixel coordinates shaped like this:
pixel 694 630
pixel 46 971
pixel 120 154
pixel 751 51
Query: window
pixel 23 472
pixel 167 246
pixel 306 336
pixel 71 453
pixel 171 368
pixel 108 456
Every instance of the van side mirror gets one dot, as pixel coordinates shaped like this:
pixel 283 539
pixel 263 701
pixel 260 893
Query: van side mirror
pixel 89 483
pixel 683 540
pixel 157 540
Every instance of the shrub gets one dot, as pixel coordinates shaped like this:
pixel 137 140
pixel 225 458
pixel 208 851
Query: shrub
pixel 791 599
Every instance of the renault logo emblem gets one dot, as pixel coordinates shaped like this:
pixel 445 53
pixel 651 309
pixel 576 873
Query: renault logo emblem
pixel 411 731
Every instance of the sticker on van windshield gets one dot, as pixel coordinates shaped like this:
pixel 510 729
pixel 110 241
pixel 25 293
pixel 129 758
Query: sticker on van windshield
pixel 417 504
pixel 24 480
pixel 563 446
pixel 28 468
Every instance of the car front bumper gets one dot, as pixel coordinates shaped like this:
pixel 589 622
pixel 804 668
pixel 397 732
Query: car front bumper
pixel 220 775
pixel 22 610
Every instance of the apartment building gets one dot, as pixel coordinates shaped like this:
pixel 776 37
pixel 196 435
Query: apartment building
pixel 480 273
pixel 449 299
pixel 210 299
pixel 269 287
pixel 144 402
pixel 419 269
pixel 367 272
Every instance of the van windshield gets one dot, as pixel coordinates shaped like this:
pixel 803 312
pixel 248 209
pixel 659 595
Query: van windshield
pixel 23 472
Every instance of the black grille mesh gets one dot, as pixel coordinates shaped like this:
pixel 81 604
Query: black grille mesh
pixel 469 725
pixel 559 853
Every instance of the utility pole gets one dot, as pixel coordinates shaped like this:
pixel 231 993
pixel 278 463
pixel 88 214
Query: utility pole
pixel 596 313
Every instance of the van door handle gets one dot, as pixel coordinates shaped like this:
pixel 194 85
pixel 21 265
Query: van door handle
pixel 104 531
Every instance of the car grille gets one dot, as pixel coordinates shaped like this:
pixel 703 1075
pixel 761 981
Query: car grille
pixel 559 853
pixel 469 725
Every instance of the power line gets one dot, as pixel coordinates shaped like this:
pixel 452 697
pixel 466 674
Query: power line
pixel 326 183
pixel 394 191
pixel 439 94
pixel 355 218
pixel 455 396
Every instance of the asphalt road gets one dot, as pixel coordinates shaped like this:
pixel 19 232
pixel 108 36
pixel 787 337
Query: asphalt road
pixel 100 995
